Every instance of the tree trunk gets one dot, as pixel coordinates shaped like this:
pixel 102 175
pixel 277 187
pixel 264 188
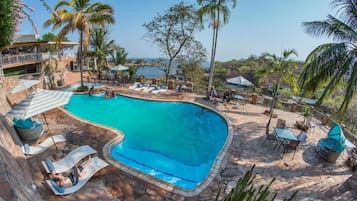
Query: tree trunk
pixel 213 54
pixel 80 57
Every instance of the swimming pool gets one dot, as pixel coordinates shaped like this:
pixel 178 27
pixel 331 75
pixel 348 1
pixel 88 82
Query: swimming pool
pixel 175 142
pixel 74 86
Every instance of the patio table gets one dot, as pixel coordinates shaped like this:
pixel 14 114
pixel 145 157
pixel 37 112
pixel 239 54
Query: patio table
pixel 285 134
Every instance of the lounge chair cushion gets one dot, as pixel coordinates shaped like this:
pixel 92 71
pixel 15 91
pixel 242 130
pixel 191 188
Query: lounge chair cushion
pixel 49 165
pixel 58 188
pixel 24 124
pixel 26 148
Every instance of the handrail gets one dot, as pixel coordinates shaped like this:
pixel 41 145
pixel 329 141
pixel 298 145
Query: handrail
pixel 21 58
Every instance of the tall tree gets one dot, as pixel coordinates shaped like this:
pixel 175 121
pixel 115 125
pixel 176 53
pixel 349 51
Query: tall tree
pixel 282 67
pixel 190 61
pixel 7 22
pixel 218 12
pixel 334 64
pixel 79 15
pixel 171 31
pixel 118 55
pixel 101 47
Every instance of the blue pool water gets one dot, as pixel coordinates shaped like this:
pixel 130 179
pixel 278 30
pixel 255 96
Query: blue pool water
pixel 173 141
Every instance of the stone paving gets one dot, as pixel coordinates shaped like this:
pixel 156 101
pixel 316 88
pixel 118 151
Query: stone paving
pixel 314 178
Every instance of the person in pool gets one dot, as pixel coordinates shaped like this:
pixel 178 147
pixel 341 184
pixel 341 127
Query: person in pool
pixel 91 91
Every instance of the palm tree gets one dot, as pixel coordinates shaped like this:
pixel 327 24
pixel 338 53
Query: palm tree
pixel 101 47
pixel 281 68
pixel 215 9
pixel 334 64
pixel 118 55
pixel 81 15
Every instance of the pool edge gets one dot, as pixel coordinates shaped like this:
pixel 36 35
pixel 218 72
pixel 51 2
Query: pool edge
pixel 218 163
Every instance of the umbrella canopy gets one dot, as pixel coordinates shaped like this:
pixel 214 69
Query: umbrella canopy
pixel 23 85
pixel 119 68
pixel 38 102
pixel 240 81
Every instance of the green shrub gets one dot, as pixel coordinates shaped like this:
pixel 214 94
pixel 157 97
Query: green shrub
pixel 81 89
pixel 246 190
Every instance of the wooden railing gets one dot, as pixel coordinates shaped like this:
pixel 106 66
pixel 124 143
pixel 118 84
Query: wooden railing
pixel 23 58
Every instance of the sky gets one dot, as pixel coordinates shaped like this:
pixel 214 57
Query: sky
pixel 255 26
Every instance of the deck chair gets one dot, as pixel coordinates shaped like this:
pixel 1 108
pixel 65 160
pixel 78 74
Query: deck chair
pixel 70 160
pixel 291 146
pixel 281 123
pixel 43 146
pixel 96 165
pixel 161 90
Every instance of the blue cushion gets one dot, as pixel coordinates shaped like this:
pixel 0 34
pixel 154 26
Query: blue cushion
pixel 49 165
pixel 26 148
pixel 24 124
pixel 58 188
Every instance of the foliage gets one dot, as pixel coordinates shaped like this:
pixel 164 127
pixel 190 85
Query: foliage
pixel 218 12
pixel 333 64
pixel 79 15
pixel 306 111
pixel 15 71
pixel 246 190
pixel 81 89
pixel 101 47
pixel 50 37
pixel 282 68
pixel 286 93
pixel 119 55
pixel 173 32
pixel 7 22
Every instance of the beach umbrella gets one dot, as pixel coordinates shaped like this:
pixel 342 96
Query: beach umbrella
pixel 119 68
pixel 240 81
pixel 38 102
pixel 23 85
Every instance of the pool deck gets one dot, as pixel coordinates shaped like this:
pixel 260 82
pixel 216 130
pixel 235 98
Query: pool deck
pixel 314 178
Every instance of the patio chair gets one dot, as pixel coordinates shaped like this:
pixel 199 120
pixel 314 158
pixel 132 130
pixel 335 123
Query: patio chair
pixel 281 123
pixel 96 165
pixel 291 146
pixel 70 160
pixel 43 146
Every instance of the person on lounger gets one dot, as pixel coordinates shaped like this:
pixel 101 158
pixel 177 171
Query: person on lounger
pixel 71 179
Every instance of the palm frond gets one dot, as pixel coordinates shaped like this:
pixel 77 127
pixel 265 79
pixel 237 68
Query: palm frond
pixel 347 11
pixel 332 27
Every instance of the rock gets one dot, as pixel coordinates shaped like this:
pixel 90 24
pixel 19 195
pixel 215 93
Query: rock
pixel 150 192
pixel 128 190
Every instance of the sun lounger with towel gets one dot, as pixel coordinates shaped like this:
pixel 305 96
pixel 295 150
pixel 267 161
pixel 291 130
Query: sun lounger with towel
pixel 135 85
pixel 95 165
pixel 43 146
pixel 70 160
pixel 141 87
pixel 162 89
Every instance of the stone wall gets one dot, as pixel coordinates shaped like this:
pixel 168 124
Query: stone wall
pixel 15 172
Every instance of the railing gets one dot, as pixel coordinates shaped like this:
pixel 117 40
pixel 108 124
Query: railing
pixel 23 58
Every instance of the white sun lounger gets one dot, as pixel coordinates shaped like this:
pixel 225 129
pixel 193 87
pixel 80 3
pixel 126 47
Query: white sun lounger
pixel 162 89
pixel 135 85
pixel 149 89
pixel 70 160
pixel 141 87
pixel 95 165
pixel 43 146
